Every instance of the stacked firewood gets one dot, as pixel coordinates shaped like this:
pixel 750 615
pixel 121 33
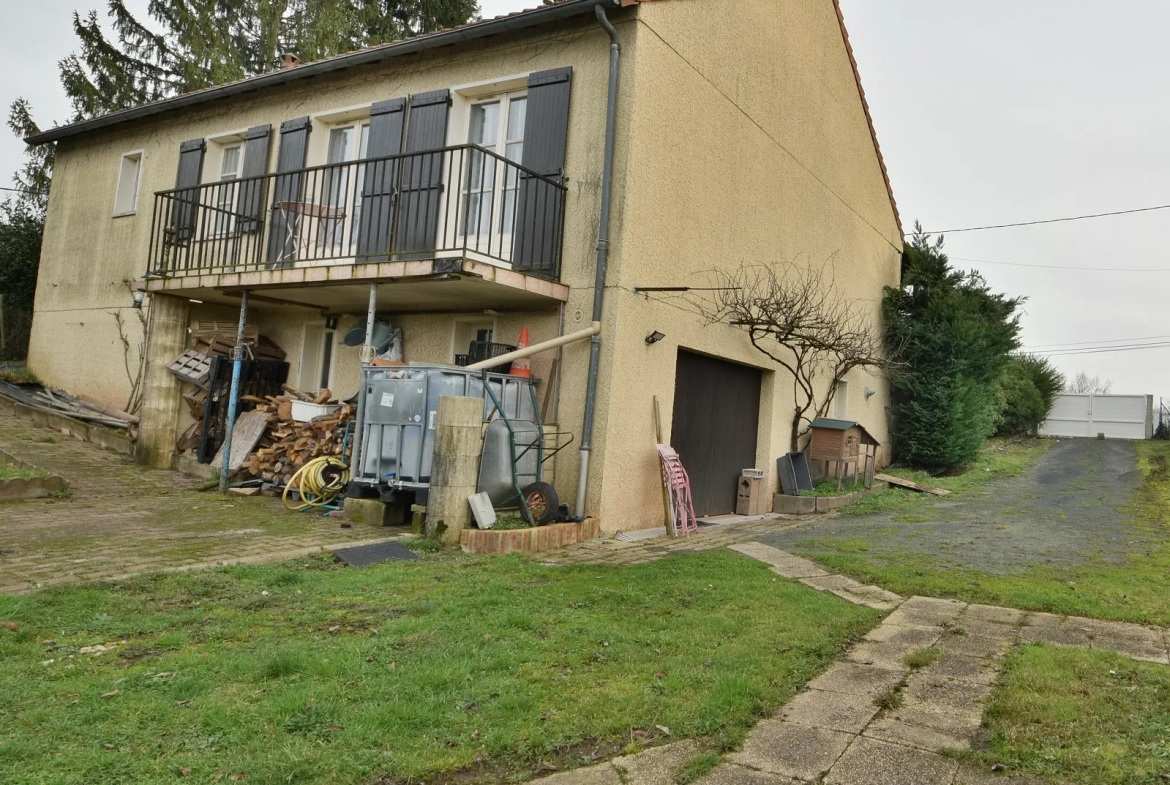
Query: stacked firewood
pixel 288 445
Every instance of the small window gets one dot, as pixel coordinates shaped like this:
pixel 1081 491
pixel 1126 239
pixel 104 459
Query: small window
pixel 126 200
pixel 841 401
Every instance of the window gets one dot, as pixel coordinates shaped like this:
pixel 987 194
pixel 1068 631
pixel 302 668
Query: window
pixel 468 330
pixel 346 144
pixel 317 351
pixel 126 199
pixel 841 401
pixel 230 169
pixel 489 190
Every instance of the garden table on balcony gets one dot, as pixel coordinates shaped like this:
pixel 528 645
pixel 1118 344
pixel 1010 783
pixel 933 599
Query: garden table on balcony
pixel 292 213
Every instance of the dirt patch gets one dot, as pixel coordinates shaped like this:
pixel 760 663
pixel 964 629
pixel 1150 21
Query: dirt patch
pixel 1071 508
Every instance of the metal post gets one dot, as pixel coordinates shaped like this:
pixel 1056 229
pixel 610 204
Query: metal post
pixel 367 356
pixel 234 396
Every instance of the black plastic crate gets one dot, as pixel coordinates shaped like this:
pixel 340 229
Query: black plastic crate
pixel 486 350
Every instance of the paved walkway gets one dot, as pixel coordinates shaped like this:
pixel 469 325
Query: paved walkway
pixel 872 718
pixel 122 519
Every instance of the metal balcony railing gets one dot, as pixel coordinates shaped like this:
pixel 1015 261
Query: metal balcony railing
pixel 457 202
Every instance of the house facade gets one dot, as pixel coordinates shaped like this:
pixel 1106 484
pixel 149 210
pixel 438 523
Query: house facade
pixel 461 173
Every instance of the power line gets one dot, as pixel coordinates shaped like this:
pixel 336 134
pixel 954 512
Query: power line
pixel 1050 220
pixel 1063 267
pixel 1087 344
pixel 1107 349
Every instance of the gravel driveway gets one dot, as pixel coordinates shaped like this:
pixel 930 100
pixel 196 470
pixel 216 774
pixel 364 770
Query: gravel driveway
pixel 1071 507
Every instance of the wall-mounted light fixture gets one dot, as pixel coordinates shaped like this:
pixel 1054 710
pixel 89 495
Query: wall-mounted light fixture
pixel 138 296
pixel 869 393
pixel 654 337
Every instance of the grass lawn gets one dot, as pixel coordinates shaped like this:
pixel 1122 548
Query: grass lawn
pixel 448 667
pixel 1084 716
pixel 1000 458
pixel 1133 590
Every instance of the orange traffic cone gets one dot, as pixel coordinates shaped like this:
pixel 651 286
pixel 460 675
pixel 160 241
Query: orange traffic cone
pixel 522 367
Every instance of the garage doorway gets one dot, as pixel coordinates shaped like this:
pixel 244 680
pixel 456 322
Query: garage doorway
pixel 714 427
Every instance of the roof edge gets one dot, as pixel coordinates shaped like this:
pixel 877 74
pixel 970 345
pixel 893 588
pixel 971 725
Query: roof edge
pixel 455 35
pixel 869 118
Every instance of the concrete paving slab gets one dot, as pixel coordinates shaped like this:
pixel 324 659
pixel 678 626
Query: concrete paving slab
pixel 1144 650
pixel 959 667
pixel 730 774
pixel 603 774
pixel 791 750
pixel 832 710
pixel 993 613
pixel 941 694
pixel 892 730
pixel 915 637
pixel 853 679
pixel 1038 619
pixel 974 645
pixel 657 765
pixel 985 629
pixel 1058 635
pixel 831 582
pixel 890 655
pixel 916 612
pixel 873 762
pixel 925 716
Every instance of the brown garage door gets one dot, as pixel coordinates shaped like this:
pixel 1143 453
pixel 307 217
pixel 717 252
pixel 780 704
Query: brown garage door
pixel 716 419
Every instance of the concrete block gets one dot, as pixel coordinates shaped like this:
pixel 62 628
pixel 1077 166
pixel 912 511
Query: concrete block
pixel 794 505
pixel 371 512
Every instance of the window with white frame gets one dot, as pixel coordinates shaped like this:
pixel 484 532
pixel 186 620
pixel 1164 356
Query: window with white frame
pixel 841 401
pixel 490 188
pixel 342 185
pixel 317 353
pixel 129 176
pixel 231 168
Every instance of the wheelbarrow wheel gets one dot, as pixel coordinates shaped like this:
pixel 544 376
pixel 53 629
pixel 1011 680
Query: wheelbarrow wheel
pixel 540 503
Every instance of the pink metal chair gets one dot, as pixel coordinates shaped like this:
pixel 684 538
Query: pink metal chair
pixel 678 486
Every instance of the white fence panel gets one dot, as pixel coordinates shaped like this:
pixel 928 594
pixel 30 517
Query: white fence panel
pixel 1116 416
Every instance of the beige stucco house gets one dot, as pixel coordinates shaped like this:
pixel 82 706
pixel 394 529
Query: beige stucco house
pixel 742 135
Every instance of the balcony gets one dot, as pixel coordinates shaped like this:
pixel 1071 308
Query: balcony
pixel 461 208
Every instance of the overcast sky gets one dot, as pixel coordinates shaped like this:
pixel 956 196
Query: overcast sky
pixel 988 113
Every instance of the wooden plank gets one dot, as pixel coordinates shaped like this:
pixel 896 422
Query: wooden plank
pixel 250 426
pixel 914 486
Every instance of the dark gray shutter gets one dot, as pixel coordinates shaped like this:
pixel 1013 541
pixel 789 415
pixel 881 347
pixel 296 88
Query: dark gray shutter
pixel 419 203
pixel 288 190
pixel 251 203
pixel 539 206
pixel 380 180
pixel 186 205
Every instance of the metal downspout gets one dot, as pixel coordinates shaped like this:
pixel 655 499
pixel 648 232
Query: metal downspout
pixel 615 55
pixel 234 395
pixel 367 356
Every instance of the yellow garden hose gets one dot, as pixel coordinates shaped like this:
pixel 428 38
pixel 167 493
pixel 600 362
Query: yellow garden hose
pixel 318 483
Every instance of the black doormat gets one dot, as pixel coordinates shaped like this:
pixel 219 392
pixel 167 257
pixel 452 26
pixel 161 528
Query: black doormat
pixel 366 555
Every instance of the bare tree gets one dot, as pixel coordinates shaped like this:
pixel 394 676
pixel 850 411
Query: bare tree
pixel 796 317
pixel 1084 383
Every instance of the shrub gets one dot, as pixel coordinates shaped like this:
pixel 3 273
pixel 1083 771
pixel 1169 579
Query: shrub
pixel 1027 390
pixel 950 338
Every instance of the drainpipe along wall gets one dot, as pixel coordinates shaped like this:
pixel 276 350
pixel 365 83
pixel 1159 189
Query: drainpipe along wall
pixel 615 54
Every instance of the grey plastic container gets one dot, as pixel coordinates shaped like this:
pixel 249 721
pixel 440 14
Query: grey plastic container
pixel 402 404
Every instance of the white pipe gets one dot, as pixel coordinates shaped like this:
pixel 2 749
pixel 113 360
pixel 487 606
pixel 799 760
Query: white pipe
pixel 537 348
